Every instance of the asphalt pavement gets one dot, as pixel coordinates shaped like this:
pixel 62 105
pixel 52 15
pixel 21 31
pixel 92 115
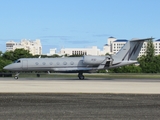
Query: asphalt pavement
pixel 79 106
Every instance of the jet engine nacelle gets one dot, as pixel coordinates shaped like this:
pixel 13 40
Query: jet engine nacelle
pixel 95 60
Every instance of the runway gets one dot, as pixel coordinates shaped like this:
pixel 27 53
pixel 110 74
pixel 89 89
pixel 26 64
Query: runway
pixel 90 99
pixel 73 85
pixel 72 106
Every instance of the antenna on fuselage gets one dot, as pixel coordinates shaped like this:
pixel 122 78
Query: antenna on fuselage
pixel 39 56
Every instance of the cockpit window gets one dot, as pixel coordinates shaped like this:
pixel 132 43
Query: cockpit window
pixel 17 61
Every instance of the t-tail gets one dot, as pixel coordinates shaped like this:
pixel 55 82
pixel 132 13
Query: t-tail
pixel 129 53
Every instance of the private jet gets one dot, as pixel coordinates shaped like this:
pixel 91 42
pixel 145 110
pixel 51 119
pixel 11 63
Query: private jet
pixel 86 64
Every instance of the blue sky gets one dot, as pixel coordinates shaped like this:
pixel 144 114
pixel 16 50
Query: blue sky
pixel 77 23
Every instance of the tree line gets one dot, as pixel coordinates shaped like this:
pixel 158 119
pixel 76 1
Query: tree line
pixel 148 63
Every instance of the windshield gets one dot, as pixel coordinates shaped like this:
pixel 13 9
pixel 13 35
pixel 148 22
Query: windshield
pixel 17 61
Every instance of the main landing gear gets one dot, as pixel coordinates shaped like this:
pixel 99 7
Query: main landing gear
pixel 38 75
pixel 80 75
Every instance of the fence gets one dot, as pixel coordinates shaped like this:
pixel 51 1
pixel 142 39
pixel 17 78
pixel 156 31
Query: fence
pixel 5 74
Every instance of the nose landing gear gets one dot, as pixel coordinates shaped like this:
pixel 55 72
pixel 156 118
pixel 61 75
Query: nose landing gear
pixel 16 75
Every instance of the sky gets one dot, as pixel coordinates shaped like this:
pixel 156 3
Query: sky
pixel 77 23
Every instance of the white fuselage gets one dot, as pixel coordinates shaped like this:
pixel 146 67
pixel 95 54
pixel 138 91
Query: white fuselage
pixel 67 64
pixel 51 64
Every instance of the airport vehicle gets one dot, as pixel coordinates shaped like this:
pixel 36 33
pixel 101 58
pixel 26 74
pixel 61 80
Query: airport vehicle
pixel 127 55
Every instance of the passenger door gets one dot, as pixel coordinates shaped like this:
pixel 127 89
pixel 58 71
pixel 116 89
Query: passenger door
pixel 25 65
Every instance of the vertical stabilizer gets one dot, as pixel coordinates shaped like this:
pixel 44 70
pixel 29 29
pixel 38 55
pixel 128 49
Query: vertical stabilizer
pixel 130 50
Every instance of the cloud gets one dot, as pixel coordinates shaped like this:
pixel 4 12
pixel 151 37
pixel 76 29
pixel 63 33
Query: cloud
pixel 9 39
pixel 59 37
pixel 101 35
pixel 79 31
pixel 80 41
pixel 45 29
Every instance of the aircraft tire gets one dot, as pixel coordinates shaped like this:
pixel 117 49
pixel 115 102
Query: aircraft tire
pixel 81 77
pixel 38 75
pixel 16 77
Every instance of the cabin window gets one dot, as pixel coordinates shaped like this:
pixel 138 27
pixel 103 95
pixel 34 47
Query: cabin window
pixel 43 63
pixel 58 63
pixel 36 63
pixel 72 63
pixel 18 61
pixel 64 63
pixel 51 63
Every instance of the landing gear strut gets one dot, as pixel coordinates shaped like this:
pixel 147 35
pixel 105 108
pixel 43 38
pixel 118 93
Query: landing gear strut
pixel 80 75
pixel 16 75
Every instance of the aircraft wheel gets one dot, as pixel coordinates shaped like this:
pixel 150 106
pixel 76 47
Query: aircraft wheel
pixel 38 75
pixel 16 77
pixel 81 77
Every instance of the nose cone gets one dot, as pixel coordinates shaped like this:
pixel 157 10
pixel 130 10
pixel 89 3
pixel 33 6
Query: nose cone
pixel 7 67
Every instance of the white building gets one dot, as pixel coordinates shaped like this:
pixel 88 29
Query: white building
pixel 116 44
pixel 80 51
pixel 156 44
pixel 143 49
pixel 157 47
pixel 113 46
pixel 52 52
pixel 34 47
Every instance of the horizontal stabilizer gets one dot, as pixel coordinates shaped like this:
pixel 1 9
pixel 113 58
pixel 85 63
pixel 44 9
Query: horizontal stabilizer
pixel 134 40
